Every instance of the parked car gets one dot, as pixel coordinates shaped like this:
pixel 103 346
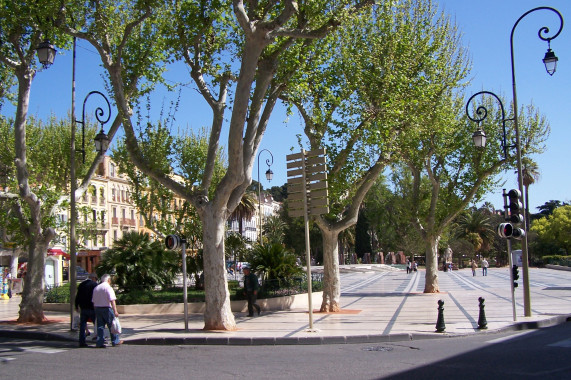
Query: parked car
pixel 81 274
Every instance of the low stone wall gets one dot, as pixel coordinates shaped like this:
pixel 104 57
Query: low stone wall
pixel 298 301
pixel 558 267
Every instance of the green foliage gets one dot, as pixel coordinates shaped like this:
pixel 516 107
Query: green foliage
pixel 557 260
pixel 555 229
pixel 235 246
pixel 475 226
pixel 163 212
pixel 137 263
pixel 389 217
pixel 274 229
pixel 274 261
pixel 362 236
pixel 58 294
pixel 48 160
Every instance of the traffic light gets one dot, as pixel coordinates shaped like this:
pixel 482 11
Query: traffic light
pixel 173 241
pixel 516 216
pixel 515 275
pixel 510 229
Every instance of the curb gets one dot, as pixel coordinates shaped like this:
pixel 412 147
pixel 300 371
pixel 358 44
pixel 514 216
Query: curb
pixel 288 341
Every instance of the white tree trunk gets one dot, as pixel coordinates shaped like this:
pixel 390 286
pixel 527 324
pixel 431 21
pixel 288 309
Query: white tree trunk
pixel 331 281
pixel 431 283
pixel 218 314
pixel 31 306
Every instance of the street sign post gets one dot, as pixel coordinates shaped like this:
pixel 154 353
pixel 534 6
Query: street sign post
pixel 307 196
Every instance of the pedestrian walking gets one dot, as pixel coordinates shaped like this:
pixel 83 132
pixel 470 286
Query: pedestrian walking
pixel 8 279
pixel 105 311
pixel 84 304
pixel 485 267
pixel 474 266
pixel 251 286
pixel 408 267
pixel 415 266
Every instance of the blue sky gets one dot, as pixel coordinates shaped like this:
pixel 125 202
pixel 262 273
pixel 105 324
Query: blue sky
pixel 486 31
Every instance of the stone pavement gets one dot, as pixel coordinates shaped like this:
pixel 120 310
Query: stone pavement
pixel 379 304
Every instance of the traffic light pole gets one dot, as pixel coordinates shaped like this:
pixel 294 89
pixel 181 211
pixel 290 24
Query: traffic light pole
pixel 510 260
pixel 512 279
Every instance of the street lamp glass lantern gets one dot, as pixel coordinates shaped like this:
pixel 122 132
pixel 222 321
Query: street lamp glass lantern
pixel 46 53
pixel 101 142
pixel 479 138
pixel 550 62
pixel 269 174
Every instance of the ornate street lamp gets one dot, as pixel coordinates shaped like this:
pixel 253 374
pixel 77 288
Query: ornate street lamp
pixel 46 53
pixel 550 61
pixel 481 113
pixel 269 177
pixel 101 140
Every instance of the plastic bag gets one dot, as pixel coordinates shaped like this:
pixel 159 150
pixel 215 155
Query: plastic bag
pixel 75 323
pixel 116 326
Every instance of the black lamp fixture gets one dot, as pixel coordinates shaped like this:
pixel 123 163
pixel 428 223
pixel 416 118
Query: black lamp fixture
pixel 550 61
pixel 46 53
pixel 269 174
pixel 479 137
pixel 101 141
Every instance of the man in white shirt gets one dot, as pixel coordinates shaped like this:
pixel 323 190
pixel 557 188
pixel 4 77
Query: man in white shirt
pixel 105 310
pixel 485 267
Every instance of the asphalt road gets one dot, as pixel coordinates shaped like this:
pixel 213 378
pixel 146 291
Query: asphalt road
pixel 533 354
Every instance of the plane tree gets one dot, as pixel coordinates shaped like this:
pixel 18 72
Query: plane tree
pixel 448 172
pixel 233 49
pixel 378 79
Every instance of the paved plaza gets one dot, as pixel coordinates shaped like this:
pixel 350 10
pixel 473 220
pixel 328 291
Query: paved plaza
pixel 379 303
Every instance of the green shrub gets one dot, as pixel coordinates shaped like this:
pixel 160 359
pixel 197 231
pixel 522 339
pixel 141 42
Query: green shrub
pixel 557 260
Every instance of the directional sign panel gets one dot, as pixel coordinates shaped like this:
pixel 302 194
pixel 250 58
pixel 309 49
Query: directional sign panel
pixel 307 183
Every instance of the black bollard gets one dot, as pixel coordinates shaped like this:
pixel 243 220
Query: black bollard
pixel 482 323
pixel 440 326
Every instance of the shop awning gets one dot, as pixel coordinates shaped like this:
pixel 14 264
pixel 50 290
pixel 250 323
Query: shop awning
pixel 57 252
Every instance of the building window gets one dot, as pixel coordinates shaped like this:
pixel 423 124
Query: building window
pixel 111 169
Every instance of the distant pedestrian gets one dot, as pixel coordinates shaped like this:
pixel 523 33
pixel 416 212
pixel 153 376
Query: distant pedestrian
pixel 474 266
pixel 105 310
pixel 415 266
pixel 251 286
pixel 485 267
pixel 408 267
pixel 84 304
pixel 8 279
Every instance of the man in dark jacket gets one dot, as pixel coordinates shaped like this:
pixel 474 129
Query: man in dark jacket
pixel 83 302
pixel 251 290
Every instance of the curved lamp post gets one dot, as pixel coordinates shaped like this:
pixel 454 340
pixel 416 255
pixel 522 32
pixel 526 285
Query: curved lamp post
pixel 480 115
pixel 269 176
pixel 99 115
pixel 550 61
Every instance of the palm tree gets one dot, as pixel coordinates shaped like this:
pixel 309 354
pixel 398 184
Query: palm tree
pixel 138 262
pixel 475 227
pixel 245 210
pixel 274 229
pixel 530 174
